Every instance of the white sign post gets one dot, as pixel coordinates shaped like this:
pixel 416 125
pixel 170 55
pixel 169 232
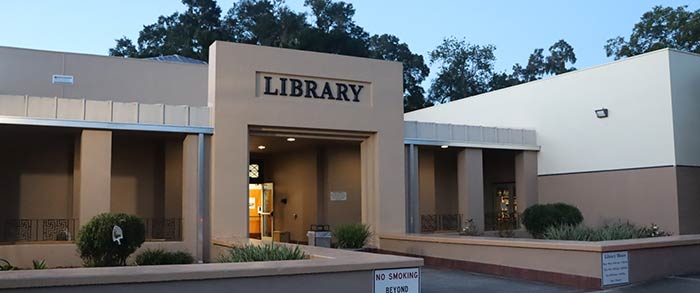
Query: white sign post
pixel 615 268
pixel 406 280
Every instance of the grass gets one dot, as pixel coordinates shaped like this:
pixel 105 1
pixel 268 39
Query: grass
pixel 265 252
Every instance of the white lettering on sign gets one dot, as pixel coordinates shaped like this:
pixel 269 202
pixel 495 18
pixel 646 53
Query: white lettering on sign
pixel 339 196
pixel 615 268
pixel 405 280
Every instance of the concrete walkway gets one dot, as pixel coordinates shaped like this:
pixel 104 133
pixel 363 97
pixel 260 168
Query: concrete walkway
pixel 437 280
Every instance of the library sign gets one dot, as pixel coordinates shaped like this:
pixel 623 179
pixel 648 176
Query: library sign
pixel 405 280
pixel 308 88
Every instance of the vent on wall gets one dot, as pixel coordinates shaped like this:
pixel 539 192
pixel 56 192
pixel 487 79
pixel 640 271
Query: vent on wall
pixel 62 79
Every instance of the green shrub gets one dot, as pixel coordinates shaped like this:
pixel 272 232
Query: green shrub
pixel 615 231
pixel 5 265
pixel 39 264
pixel 266 252
pixel 539 217
pixel 95 243
pixel 162 257
pixel 352 235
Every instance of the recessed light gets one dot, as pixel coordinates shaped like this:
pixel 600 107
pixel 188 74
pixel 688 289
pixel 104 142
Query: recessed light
pixel 290 139
pixel 443 146
pixel 261 147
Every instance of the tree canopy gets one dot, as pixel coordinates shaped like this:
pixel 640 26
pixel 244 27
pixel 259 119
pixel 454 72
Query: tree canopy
pixel 467 69
pixel 662 27
pixel 328 28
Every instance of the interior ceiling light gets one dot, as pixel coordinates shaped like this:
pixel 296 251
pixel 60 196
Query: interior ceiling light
pixel 261 147
pixel 443 146
pixel 290 139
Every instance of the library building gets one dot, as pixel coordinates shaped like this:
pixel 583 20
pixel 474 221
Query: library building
pixel 264 142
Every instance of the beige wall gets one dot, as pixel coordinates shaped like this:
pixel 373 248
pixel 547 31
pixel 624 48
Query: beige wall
pixel 233 85
pixel 342 173
pixel 36 180
pixel 138 179
pixel 28 72
pixel 294 176
pixel 642 196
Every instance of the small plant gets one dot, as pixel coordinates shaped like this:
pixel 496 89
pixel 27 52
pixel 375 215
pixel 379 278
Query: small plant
pixel 96 244
pixel 5 265
pixel 39 264
pixel 352 236
pixel 538 218
pixel 162 257
pixel 266 252
pixel 470 229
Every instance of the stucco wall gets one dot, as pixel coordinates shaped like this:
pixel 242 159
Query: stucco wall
pixel 342 174
pixel 641 196
pixel 28 72
pixel 638 132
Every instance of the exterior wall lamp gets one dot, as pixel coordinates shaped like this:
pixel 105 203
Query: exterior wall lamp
pixel 601 113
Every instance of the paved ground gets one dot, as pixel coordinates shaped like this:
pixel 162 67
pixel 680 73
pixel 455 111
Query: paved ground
pixel 436 280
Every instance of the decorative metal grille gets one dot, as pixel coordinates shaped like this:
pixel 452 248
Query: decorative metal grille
pixel 38 230
pixel 165 229
pixel 441 222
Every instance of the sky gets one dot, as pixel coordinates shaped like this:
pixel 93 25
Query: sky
pixel 515 27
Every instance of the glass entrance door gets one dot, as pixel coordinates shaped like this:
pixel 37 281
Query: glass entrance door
pixel 265 210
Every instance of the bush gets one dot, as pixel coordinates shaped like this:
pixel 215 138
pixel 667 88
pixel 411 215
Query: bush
pixel 95 243
pixel 538 218
pixel 615 231
pixel 162 257
pixel 266 252
pixel 39 264
pixel 352 236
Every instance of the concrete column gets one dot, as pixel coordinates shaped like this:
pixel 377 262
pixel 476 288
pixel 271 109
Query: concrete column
pixel 526 179
pixel 95 173
pixel 413 224
pixel 470 186
pixel 190 189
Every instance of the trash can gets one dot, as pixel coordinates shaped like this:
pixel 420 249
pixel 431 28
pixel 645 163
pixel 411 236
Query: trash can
pixel 319 235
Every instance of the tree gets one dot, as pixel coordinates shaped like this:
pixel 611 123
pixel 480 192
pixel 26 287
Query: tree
pixel 187 34
pixel 662 27
pixel 388 47
pixel 272 23
pixel 465 70
pixel 538 66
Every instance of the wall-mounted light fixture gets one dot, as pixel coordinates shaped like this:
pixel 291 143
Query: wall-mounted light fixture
pixel 601 113
pixel 291 139
pixel 444 146
pixel 261 147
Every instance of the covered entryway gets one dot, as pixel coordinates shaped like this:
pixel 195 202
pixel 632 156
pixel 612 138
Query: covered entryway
pixel 302 178
pixel 457 174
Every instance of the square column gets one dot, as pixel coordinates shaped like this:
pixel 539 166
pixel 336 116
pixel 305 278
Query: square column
pixel 526 179
pixel 95 173
pixel 192 217
pixel 470 186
